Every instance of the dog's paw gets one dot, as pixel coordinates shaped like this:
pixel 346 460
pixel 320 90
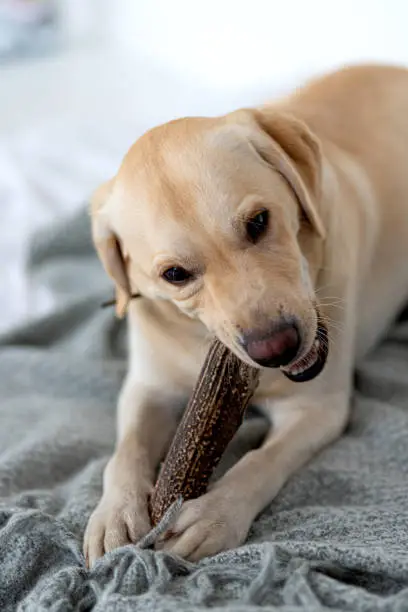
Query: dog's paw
pixel 206 526
pixel 116 521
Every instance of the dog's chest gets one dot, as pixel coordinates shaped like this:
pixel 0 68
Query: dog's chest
pixel 179 346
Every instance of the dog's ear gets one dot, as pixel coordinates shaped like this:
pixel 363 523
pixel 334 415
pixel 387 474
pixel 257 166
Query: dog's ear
pixel 295 153
pixel 109 249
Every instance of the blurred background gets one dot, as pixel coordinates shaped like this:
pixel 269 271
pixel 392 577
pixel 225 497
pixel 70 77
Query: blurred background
pixel 80 80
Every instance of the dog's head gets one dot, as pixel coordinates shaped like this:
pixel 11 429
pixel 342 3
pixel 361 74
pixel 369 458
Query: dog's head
pixel 220 216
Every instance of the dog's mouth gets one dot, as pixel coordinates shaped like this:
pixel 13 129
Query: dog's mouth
pixel 310 365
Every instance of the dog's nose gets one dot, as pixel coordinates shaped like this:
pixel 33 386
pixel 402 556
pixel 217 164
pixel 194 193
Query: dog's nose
pixel 274 348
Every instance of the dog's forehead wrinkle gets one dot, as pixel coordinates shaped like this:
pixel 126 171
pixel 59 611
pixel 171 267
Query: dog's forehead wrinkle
pixel 231 137
pixel 199 148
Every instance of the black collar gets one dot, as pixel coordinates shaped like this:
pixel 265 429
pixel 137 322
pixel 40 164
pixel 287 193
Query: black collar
pixel 113 302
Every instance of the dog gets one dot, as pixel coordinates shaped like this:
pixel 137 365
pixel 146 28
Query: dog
pixel 283 231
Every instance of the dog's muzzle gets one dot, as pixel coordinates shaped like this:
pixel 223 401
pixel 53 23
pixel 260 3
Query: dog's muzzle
pixel 280 347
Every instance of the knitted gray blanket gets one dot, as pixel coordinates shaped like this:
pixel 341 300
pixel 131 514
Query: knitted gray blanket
pixel 335 538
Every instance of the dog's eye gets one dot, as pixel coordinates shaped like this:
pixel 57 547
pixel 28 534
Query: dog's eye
pixel 257 226
pixel 177 275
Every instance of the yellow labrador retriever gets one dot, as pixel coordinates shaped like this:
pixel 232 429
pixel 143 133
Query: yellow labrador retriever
pixel 283 230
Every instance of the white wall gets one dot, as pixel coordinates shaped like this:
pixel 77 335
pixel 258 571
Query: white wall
pixel 227 43
pixel 162 58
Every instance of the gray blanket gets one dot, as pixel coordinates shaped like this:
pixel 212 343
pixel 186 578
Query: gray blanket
pixel 335 538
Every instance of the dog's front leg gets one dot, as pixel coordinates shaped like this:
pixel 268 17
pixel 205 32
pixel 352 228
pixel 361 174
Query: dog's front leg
pixel 221 518
pixel 146 423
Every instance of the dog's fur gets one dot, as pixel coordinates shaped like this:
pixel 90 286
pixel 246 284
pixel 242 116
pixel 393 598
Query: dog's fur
pixel 330 164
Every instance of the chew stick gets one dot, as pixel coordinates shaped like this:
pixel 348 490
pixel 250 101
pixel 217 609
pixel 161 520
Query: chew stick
pixel 213 415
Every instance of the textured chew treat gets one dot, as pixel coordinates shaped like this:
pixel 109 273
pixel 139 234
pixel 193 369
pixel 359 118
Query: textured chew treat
pixel 213 415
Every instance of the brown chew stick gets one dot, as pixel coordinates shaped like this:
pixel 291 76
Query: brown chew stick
pixel 213 415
